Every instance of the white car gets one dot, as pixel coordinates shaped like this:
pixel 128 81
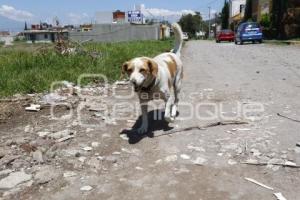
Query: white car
pixel 185 36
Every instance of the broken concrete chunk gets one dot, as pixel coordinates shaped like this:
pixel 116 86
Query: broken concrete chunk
pixel 46 174
pixel 13 180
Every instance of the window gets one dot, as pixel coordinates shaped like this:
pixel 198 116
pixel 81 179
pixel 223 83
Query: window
pixel 46 36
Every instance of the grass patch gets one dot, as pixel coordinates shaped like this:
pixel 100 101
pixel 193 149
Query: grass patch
pixel 23 69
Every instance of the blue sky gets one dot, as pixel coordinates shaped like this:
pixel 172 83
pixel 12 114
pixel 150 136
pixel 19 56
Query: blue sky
pixel 77 11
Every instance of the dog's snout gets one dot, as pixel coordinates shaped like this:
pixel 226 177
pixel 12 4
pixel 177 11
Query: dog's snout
pixel 134 82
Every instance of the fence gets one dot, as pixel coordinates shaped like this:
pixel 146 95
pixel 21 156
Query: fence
pixel 118 33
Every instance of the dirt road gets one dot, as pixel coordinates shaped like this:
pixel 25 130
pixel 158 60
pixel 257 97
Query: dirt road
pixel 222 82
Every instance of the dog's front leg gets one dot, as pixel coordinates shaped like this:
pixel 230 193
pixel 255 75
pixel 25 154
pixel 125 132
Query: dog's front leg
pixel 144 128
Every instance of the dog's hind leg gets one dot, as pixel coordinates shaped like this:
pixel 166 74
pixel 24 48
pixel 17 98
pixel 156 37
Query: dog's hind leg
pixel 177 89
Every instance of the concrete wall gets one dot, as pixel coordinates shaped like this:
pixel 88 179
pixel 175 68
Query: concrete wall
pixel 118 33
pixel 8 40
pixel 235 6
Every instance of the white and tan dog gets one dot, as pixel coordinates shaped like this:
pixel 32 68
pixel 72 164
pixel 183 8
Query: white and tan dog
pixel 160 76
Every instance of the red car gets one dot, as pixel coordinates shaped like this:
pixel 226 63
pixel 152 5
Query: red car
pixel 225 35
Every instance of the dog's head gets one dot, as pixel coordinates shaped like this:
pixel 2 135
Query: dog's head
pixel 140 71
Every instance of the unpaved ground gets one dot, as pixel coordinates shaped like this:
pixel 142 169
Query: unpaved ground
pixel 202 164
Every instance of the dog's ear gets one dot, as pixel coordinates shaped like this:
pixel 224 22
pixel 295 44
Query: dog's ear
pixel 153 67
pixel 124 68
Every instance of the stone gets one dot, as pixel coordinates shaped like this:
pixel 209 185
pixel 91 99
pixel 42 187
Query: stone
pixel 200 161
pixel 61 134
pixel 87 148
pixel 255 152
pixel 13 180
pixel 46 174
pixel 5 172
pixel 65 138
pixel 82 159
pixel 297 150
pixel 95 144
pixel 232 162
pixel 38 156
pixel 112 159
pixel 116 153
pixel 171 158
pixel 185 157
pixel 86 188
pixel 69 174
pixel 43 134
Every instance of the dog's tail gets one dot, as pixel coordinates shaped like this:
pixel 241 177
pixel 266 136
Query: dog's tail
pixel 178 38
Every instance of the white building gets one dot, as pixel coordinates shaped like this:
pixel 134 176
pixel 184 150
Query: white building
pixel 236 7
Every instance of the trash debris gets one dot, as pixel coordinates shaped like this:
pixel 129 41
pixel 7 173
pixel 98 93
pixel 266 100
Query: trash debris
pixel 298 144
pixel 61 134
pixel 258 183
pixel 86 188
pixel 279 196
pixel 284 164
pixel 232 162
pixel 295 120
pixel 33 108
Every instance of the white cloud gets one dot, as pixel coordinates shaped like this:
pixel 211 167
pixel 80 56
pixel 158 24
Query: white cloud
pixel 74 18
pixel 14 14
pixel 156 12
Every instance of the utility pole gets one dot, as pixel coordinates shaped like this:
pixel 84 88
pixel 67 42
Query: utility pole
pixel 209 21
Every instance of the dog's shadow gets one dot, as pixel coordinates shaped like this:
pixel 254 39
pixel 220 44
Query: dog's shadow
pixel 156 123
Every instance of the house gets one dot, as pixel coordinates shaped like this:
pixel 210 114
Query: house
pixel 119 17
pixel 237 11
pixel 6 38
pixel 45 36
pixel 259 8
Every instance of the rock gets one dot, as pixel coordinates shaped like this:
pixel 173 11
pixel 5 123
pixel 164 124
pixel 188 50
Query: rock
pixel 232 162
pixel 172 158
pixel 38 156
pixel 185 157
pixel 112 159
pixel 6 160
pixel 86 188
pixel 43 134
pixel 69 174
pixel 124 137
pixel 199 149
pixel 95 144
pixel 297 150
pixel 5 172
pixel 116 153
pixel 255 152
pixel 139 168
pixel 87 148
pixel 46 174
pixel 65 138
pixel 82 159
pixel 13 180
pixel 61 134
pixel 200 161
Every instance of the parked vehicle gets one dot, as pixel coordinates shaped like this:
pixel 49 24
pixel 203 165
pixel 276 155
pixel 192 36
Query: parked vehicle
pixel 185 36
pixel 225 35
pixel 249 32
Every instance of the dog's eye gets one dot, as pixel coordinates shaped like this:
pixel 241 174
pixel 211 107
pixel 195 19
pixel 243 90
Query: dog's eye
pixel 142 70
pixel 129 71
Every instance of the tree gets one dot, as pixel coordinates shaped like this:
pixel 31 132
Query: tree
pixel 191 23
pixel 25 28
pixel 248 11
pixel 225 15
pixel 279 8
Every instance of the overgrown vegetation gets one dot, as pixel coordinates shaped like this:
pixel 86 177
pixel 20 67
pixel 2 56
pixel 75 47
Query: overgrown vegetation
pixel 191 24
pixel 29 70
pixel 225 15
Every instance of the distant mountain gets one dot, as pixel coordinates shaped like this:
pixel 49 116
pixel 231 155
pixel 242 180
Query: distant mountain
pixel 10 25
